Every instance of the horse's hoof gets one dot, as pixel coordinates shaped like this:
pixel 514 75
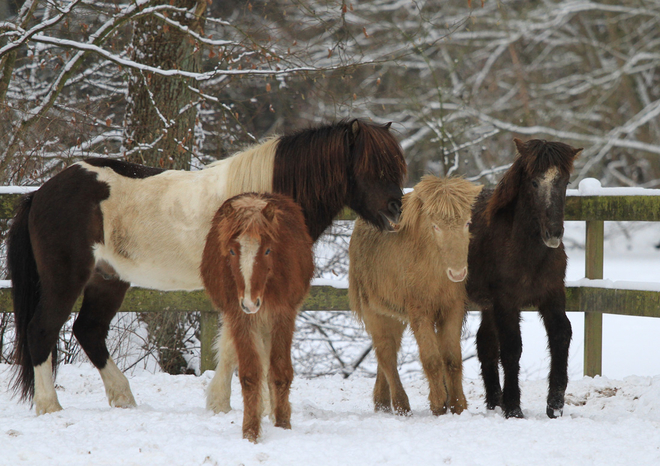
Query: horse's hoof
pixel 47 408
pixel 402 411
pixel 383 408
pixel 554 413
pixel 515 412
pixel 251 435
pixel 124 401
pixel 439 411
pixel 218 408
pixel 283 424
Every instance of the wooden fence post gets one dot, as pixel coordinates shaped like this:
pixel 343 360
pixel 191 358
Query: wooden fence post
pixel 593 321
pixel 208 329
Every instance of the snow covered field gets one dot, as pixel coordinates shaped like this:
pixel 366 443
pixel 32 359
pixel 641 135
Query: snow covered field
pixel 606 422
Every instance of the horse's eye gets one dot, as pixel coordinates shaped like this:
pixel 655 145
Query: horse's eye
pixel 435 227
pixel 535 184
pixel 267 251
pixel 231 251
pixel 467 225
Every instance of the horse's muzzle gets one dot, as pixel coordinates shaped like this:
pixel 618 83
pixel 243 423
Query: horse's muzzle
pixel 249 307
pixel 457 277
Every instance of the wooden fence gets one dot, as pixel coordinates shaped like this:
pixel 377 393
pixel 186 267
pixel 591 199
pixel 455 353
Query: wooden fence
pixel 592 300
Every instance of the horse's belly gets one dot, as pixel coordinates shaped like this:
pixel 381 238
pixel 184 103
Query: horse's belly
pixel 160 273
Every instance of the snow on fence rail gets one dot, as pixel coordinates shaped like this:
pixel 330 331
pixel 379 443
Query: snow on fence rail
pixel 592 295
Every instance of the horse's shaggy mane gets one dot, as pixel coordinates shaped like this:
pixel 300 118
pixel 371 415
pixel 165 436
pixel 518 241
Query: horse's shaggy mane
pixel 534 158
pixel 249 214
pixel 447 198
pixel 305 158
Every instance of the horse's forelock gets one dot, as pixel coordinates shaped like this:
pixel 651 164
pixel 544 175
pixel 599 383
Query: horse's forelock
pixel 245 216
pixel 378 153
pixel 539 155
pixel 449 199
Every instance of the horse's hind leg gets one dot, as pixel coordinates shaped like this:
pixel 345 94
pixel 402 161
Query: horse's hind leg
pixel 559 331
pixel 219 391
pixel 57 299
pixel 386 334
pixel 508 329
pixel 488 351
pixel 102 298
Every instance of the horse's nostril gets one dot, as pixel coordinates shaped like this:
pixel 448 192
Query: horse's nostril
pixel 394 207
pixel 258 303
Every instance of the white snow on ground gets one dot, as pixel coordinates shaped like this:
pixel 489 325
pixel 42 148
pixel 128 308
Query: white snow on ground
pixel 605 422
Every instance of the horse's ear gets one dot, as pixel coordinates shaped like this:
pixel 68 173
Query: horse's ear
pixel 355 128
pixel 269 212
pixel 577 153
pixel 387 126
pixel 520 145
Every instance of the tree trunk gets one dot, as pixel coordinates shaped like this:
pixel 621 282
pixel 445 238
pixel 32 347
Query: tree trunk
pixel 160 116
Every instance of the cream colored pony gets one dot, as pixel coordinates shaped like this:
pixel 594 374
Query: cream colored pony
pixel 417 277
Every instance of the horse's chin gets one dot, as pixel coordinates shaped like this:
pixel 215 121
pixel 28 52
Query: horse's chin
pixel 552 242
pixel 388 223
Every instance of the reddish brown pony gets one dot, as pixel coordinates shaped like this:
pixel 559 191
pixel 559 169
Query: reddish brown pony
pixel 416 277
pixel 257 267
pixel 517 259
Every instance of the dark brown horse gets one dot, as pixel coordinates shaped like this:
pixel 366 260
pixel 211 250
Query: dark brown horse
pixel 257 266
pixel 517 259
pixel 100 225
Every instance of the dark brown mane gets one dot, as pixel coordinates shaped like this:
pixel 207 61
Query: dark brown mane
pixel 374 147
pixel 316 166
pixel 534 157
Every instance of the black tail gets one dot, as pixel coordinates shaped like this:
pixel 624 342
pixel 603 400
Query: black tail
pixel 25 294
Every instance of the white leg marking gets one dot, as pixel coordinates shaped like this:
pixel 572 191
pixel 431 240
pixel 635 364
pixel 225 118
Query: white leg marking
pixel 249 249
pixel 45 398
pixel 218 393
pixel 116 385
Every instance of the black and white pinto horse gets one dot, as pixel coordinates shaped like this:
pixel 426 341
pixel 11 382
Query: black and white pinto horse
pixel 101 225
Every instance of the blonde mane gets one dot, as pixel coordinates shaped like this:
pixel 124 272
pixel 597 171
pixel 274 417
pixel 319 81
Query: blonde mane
pixel 252 169
pixel 450 199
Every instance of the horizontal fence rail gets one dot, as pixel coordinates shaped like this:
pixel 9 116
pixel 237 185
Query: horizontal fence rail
pixel 593 296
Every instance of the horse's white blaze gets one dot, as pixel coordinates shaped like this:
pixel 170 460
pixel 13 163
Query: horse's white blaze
pixel 45 397
pixel 546 184
pixel 155 228
pixel 116 385
pixel 249 249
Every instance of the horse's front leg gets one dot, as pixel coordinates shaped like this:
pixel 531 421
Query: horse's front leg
pixel 249 373
pixel 218 394
pixel 423 327
pixel 281 369
pixel 386 334
pixel 508 329
pixel 559 331
pixel 449 344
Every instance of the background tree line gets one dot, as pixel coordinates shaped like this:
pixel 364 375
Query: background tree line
pixel 180 83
